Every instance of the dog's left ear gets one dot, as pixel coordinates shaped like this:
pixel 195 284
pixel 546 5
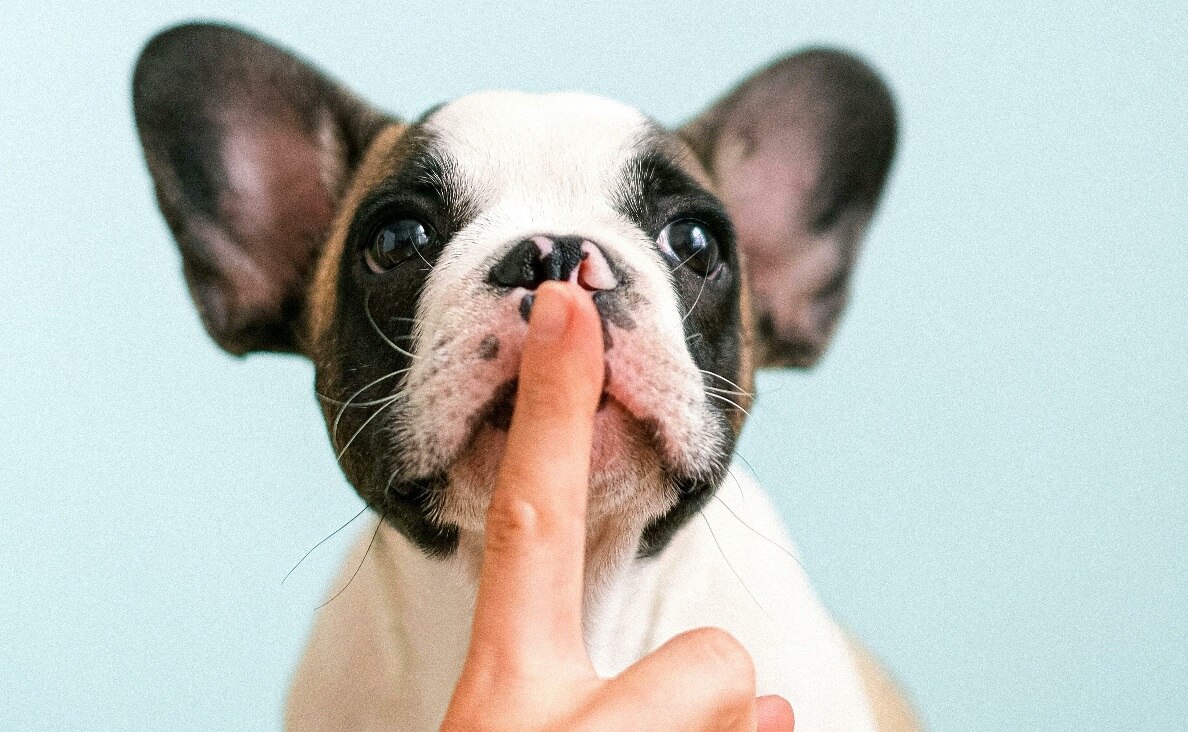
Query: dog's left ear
pixel 251 150
pixel 799 153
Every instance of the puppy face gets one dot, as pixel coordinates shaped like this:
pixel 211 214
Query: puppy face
pixel 403 260
pixel 430 278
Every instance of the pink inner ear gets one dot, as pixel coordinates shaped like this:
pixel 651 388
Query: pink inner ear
pixel 771 203
pixel 800 152
pixel 275 204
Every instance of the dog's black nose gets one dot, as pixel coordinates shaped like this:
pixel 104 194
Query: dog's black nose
pixel 542 258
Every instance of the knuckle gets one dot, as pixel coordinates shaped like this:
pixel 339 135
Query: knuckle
pixel 727 660
pixel 511 522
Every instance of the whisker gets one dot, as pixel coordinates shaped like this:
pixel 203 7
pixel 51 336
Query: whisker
pixel 323 541
pixel 737 482
pixel 742 496
pixel 366 422
pixel 695 301
pixel 390 479
pixel 728 391
pixel 723 378
pixel 731 565
pixel 756 532
pixel 414 321
pixel 422 256
pixel 750 467
pixel 783 386
pixel 364 559
pixel 728 401
pixel 686 261
pixel 338 417
pixel 370 319
pixel 371 403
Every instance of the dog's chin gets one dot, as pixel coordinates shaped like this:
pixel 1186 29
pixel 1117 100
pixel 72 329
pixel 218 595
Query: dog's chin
pixel 629 485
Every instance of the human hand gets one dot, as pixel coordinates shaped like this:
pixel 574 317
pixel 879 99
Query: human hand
pixel 527 668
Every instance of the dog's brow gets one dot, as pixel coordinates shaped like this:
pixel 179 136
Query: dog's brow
pixel 654 177
pixel 432 174
pixel 659 174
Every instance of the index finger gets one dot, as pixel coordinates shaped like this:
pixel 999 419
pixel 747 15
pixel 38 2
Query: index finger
pixel 529 604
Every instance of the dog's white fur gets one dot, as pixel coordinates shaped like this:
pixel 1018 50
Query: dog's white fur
pixel 386 653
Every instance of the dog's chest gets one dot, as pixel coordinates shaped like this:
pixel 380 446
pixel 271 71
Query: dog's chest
pixel 387 654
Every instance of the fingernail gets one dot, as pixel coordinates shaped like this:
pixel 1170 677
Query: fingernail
pixel 550 314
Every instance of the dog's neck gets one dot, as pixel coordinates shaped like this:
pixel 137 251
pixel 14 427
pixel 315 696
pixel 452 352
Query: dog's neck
pixel 612 543
pixel 406 620
pixel 386 653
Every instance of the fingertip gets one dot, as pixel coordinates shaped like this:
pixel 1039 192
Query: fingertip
pixel 558 305
pixel 552 310
pixel 565 344
pixel 773 713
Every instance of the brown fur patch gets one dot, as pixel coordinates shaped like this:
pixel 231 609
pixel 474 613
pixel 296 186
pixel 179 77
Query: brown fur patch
pixel 893 711
pixel 383 157
pixel 688 161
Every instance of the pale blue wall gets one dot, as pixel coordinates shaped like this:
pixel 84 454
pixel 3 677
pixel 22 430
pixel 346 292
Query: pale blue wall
pixel 988 475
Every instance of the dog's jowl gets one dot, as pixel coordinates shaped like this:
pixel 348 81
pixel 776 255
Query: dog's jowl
pixel 402 259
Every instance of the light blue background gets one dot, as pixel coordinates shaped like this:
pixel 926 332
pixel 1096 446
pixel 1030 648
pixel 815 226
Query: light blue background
pixel 988 476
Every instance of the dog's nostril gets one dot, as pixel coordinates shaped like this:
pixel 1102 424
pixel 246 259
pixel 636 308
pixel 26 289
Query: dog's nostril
pixel 541 259
pixel 520 267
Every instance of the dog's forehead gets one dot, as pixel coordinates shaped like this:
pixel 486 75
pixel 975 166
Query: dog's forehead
pixel 503 140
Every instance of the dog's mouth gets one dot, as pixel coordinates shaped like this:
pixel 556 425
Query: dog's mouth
pixel 497 412
pixel 625 460
pixel 619 434
pixel 654 431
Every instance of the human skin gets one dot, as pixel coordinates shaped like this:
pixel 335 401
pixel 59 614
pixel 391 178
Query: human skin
pixel 527 668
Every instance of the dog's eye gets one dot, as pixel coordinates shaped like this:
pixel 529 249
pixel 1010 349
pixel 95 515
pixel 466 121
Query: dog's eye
pixel 691 244
pixel 397 242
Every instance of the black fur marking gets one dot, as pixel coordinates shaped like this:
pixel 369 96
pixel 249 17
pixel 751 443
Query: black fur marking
pixel 692 497
pixel 424 186
pixel 498 410
pixel 526 306
pixel 607 341
pixel 655 192
pixel 613 308
pixel 406 508
pixel 606 379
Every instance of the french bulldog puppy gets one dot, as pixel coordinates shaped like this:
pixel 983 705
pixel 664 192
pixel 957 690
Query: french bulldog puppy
pixel 401 258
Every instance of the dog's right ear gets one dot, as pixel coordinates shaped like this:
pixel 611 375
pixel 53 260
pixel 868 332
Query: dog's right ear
pixel 251 151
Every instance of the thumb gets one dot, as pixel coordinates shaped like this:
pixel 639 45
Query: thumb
pixel 774 714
